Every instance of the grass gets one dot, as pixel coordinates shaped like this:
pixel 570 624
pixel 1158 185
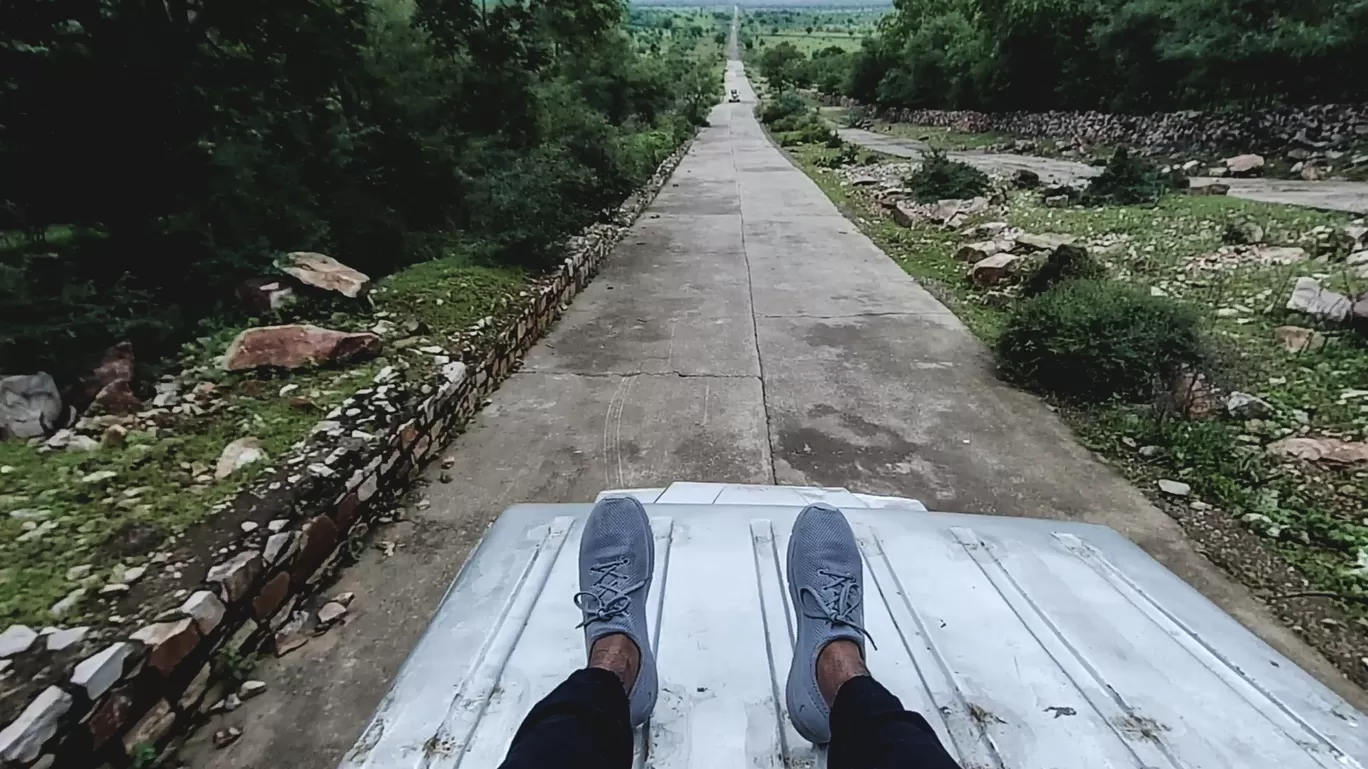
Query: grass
pixel 806 43
pixel 163 482
pixel 1313 516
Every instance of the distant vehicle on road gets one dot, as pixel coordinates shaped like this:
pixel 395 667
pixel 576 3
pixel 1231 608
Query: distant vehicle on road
pixel 735 97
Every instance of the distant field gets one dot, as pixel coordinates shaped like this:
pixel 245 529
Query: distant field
pixel 810 43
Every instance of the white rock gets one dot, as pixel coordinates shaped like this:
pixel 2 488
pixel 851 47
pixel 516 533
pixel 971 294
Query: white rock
pixel 344 598
pixel 237 455
pixel 331 612
pixel 205 608
pixel 280 547
pixel 78 572
pixel 114 588
pixel 1175 488
pixel 98 476
pixel 250 689
pixel 16 639
pixel 249 526
pixel 65 605
pixel 1246 406
pixel 133 574
pixel 1309 297
pixel 276 525
pixel 96 674
pixel 23 740
pixel 63 639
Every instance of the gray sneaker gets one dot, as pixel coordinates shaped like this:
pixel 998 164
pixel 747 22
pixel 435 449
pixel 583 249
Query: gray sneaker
pixel 826 584
pixel 617 558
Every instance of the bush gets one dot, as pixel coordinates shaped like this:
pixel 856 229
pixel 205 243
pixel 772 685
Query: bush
pixel 1128 180
pixel 843 157
pixel 788 105
pixel 940 178
pixel 1065 263
pixel 810 130
pixel 1090 341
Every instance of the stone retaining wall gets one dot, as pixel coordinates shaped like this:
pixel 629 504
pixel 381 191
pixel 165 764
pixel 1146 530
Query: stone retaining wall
pixel 138 695
pixel 1331 127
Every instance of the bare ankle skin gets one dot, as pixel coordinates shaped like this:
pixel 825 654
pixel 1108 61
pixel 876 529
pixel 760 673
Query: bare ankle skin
pixel 838 662
pixel 618 655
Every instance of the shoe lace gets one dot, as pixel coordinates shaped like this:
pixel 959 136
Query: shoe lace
pixel 607 597
pixel 835 602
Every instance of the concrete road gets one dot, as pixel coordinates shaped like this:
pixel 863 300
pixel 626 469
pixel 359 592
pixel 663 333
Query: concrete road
pixel 1327 195
pixel 743 331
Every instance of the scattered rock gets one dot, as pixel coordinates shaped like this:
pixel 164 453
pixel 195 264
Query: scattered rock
pixel 1025 179
pixel 993 270
pixel 250 689
pixel 133 574
pixel 263 295
pixel 97 673
pixel 1310 298
pixel 297 346
pixel 237 455
pixel 292 634
pixel 1047 241
pixel 168 643
pixel 1218 172
pixel 331 612
pixel 1193 396
pixel 227 704
pixel 60 640
pixel 16 639
pixel 1149 451
pixel 30 406
pixel 1245 406
pixel 1244 232
pixel 99 476
pixel 326 273
pixel 225 737
pixel 1331 450
pixel 1245 165
pixel 116 398
pixel 62 607
pixel 76 573
pixel 22 740
pixel 1056 201
pixel 973 253
pixel 1313 172
pixel 114 436
pixel 205 609
pixel 344 598
pixel 235 575
pixel 114 373
pixel 1174 488
pixel 280 547
pixel 1211 188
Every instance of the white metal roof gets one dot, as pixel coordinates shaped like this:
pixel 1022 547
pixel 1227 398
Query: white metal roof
pixel 1027 644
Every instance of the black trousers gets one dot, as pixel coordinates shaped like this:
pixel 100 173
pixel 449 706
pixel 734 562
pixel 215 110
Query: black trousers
pixel 583 724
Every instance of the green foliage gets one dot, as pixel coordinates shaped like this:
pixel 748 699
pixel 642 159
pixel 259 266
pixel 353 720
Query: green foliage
pixel 846 155
pixel 939 178
pixel 1130 55
pixel 1067 262
pixel 143 756
pixel 192 146
pixel 1090 341
pixel 787 106
pixel 1129 180
pixel 231 665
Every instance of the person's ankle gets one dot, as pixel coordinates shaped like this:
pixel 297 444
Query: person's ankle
pixel 838 662
pixel 618 655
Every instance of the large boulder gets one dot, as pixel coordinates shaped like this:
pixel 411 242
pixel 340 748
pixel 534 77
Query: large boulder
pixel 326 273
pixel 30 406
pixel 297 346
pixel 994 269
pixel 976 252
pixel 1308 296
pixel 1331 450
pixel 1047 241
pixel 109 383
pixel 1245 165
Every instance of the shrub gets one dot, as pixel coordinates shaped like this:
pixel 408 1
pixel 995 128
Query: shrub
pixel 809 131
pixel 1090 341
pixel 1128 180
pixel 940 178
pixel 1065 263
pixel 786 106
pixel 842 157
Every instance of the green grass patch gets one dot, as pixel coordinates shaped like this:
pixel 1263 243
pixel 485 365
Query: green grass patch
pixel 1313 516
pixel 51 520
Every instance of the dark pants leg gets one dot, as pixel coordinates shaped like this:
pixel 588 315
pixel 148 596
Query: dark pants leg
pixel 584 722
pixel 871 730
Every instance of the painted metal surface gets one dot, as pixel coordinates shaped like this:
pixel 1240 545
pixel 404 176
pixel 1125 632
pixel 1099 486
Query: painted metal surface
pixel 1026 643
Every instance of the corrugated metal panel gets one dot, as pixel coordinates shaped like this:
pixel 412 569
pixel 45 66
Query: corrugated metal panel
pixel 1025 643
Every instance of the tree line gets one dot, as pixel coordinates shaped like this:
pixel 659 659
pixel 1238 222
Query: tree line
pixel 1111 55
pixel 155 153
